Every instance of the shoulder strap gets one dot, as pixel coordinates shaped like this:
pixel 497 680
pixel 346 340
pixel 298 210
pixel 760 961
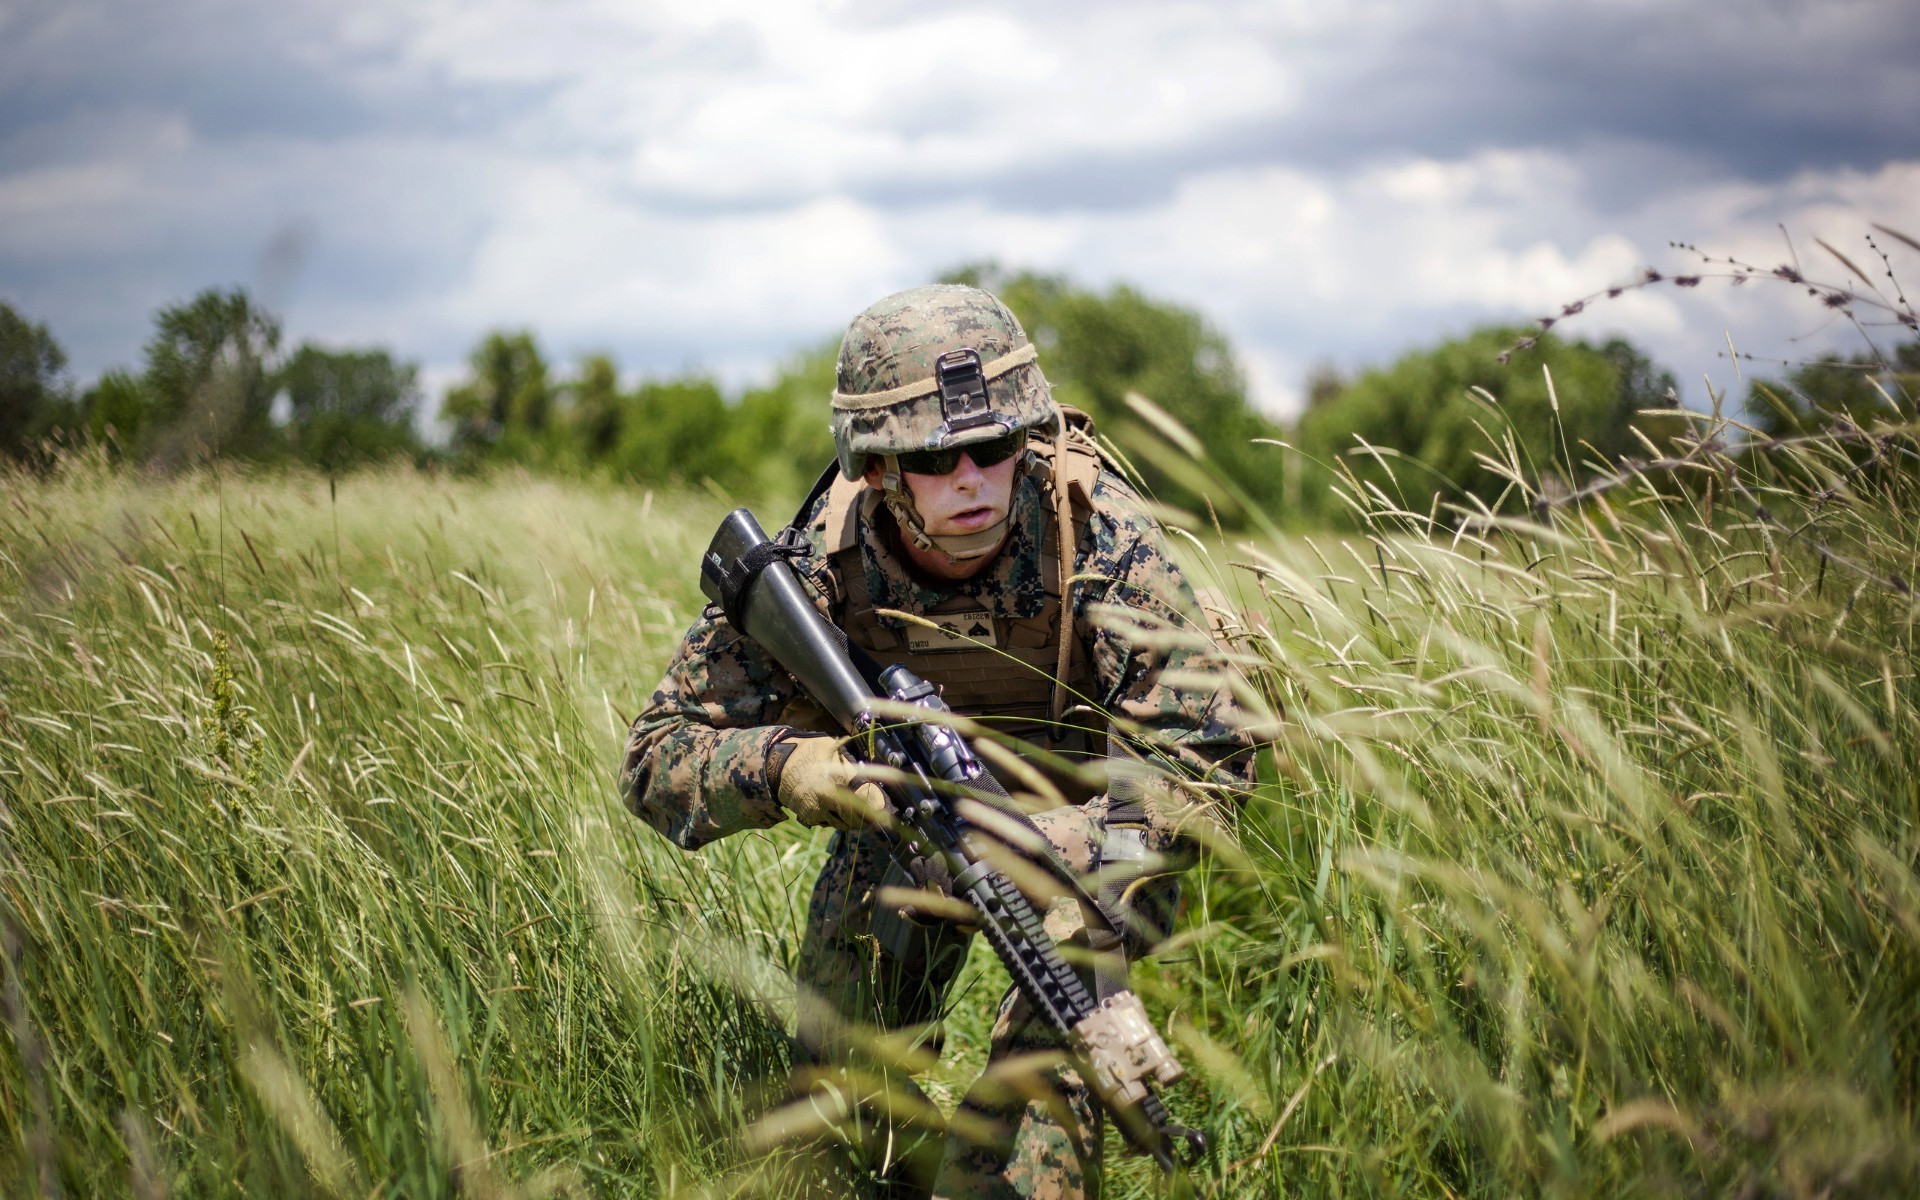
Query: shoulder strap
pixel 819 488
pixel 843 513
pixel 1079 471
pixel 1074 456
pixel 1074 460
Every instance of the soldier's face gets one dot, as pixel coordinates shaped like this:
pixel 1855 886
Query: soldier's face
pixel 967 499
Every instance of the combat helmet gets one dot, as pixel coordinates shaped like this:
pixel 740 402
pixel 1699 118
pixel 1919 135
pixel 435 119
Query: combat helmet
pixel 934 368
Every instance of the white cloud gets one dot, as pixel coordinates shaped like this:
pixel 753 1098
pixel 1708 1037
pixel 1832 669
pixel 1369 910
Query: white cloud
pixel 571 258
pixel 745 101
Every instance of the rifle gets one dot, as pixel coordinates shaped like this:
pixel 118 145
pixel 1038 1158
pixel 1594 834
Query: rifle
pixel 1113 1042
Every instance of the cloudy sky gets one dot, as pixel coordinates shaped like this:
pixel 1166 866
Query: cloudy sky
pixel 712 185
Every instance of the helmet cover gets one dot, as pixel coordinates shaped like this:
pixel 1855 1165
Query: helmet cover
pixel 889 397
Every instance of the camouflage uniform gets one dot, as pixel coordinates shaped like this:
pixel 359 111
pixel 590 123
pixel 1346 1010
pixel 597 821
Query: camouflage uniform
pixel 698 761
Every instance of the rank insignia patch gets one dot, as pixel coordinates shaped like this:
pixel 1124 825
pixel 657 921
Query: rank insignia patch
pixel 956 631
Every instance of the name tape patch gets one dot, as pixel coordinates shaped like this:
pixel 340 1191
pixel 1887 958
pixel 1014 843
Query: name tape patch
pixel 956 631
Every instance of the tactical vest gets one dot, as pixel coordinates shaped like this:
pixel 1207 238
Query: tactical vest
pixel 1008 679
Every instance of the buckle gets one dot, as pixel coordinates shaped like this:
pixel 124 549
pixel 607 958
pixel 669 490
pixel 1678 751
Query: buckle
pixel 963 390
pixel 1123 845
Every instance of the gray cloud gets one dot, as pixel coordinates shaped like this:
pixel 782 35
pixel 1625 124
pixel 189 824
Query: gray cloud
pixel 1666 94
pixel 1759 90
pixel 229 72
pixel 1671 94
pixel 683 190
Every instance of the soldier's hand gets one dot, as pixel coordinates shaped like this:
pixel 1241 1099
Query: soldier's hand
pixel 820 785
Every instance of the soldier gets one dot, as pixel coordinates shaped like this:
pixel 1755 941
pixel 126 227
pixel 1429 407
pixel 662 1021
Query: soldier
pixel 971 532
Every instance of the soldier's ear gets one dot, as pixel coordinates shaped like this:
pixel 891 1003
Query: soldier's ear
pixel 872 475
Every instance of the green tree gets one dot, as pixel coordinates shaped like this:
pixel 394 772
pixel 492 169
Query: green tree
pixel 771 442
pixel 34 399
pixel 674 430
pixel 1097 348
pixel 780 437
pixel 1862 389
pixel 117 410
pixel 350 406
pixel 1436 413
pixel 209 377
pixel 594 409
pixel 1640 385
pixel 503 410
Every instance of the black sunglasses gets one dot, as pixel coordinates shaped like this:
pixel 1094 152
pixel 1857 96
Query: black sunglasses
pixel 983 454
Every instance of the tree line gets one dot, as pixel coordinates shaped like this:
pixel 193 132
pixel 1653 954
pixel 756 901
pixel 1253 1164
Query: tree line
pixel 1425 431
pixel 214 382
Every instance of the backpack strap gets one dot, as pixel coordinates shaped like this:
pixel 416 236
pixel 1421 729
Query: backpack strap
pixel 1075 460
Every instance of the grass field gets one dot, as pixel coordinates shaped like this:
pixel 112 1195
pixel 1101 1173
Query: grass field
pixel 1586 866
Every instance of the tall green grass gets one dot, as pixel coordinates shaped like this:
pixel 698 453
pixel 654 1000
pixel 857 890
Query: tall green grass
pixel 1592 870
pixel 315 880
pixel 1585 864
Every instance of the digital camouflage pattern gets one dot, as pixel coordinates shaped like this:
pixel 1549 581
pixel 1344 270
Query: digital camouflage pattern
pixel 895 343
pixel 696 771
pixel 1047 1128
pixel 1041 1127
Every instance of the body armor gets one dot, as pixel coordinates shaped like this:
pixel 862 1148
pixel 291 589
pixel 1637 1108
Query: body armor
pixel 1002 671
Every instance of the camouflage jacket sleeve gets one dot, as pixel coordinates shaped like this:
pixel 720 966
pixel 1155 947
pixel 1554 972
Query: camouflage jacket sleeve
pixel 696 765
pixel 1163 682
pixel 697 755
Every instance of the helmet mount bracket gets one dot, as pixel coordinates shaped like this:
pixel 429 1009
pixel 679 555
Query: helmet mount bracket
pixel 964 403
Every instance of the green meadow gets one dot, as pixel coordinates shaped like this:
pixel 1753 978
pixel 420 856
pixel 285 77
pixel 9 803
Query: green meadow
pixel 1583 863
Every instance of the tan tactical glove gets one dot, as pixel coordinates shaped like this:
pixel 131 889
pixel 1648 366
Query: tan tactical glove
pixel 821 786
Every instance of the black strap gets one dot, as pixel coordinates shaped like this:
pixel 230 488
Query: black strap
pixel 793 531
pixel 739 582
pixel 790 543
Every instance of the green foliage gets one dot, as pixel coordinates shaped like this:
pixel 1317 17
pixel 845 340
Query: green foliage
pixel 212 373
pixel 503 410
pixel 1567 892
pixel 770 442
pixel 209 379
pixel 349 407
pixel 356 885
pixel 780 438
pixel 1096 349
pixel 1445 424
pixel 594 409
pixel 1640 386
pixel 34 400
pixel 1861 389
pixel 117 410
pixel 671 430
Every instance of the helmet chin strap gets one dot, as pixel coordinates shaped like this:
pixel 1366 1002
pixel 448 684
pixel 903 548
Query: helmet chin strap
pixel 959 547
